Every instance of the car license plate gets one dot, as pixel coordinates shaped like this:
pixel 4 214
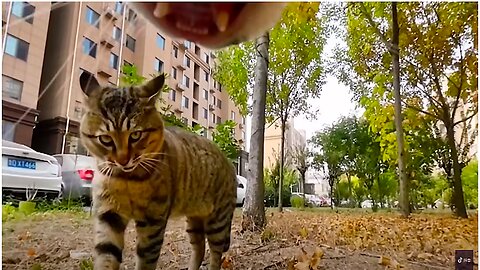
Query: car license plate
pixel 21 163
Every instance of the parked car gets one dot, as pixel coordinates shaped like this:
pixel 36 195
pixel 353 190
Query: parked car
pixel 26 169
pixel 367 204
pixel 311 199
pixel 241 188
pixel 78 172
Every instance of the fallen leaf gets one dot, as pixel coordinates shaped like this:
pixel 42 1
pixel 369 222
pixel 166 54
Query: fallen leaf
pixel 425 256
pixel 302 266
pixel 227 262
pixel 31 252
pixel 385 261
pixel 303 232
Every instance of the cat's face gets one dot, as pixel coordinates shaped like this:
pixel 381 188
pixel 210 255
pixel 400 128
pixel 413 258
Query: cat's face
pixel 122 127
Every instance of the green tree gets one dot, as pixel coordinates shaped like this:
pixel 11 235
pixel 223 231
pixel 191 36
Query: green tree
pixel 295 72
pixel 438 54
pixel 224 137
pixel 470 183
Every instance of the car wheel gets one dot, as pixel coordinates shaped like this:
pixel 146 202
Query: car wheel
pixel 60 195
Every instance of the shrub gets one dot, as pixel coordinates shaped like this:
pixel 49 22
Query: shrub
pixel 297 202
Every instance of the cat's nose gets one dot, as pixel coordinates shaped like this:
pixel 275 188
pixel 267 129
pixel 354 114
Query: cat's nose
pixel 123 160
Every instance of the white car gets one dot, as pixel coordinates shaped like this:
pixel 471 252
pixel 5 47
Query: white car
pixel 241 188
pixel 24 168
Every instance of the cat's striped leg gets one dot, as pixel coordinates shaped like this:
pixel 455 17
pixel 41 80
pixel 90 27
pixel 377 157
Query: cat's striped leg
pixel 218 229
pixel 197 240
pixel 109 232
pixel 149 242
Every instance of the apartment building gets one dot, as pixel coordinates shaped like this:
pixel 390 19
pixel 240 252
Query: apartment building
pixel 24 34
pixel 99 37
pixel 273 135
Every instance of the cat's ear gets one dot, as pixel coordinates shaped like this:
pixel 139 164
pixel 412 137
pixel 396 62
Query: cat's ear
pixel 152 87
pixel 88 83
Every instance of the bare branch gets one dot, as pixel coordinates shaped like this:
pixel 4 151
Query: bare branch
pixel 422 111
pixel 465 119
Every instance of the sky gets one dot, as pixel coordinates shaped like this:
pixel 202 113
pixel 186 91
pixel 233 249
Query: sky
pixel 335 101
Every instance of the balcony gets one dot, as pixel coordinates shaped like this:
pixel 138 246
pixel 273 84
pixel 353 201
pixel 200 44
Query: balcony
pixel 105 71
pixel 211 107
pixel 181 66
pixel 108 41
pixel 212 90
pixel 181 87
pixel 110 13
pixel 178 110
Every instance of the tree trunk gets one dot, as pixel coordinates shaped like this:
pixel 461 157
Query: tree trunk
pixel 403 202
pixel 331 196
pixel 282 164
pixel 458 199
pixel 349 178
pixel 254 210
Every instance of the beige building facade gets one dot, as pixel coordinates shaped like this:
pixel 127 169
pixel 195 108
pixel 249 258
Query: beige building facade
pixel 100 37
pixel 24 36
pixel 272 143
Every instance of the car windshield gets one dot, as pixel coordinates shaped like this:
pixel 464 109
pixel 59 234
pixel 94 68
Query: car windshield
pixel 83 161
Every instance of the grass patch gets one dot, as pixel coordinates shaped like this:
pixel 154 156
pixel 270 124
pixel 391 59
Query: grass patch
pixel 11 211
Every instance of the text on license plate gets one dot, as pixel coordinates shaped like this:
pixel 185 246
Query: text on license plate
pixel 21 163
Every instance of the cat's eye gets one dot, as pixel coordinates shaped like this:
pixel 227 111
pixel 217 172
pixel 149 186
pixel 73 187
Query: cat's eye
pixel 135 136
pixel 105 139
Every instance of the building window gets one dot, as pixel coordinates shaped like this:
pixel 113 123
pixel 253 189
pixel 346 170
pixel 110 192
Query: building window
pixel 219 120
pixel 113 61
pixel 205 113
pixel 232 115
pixel 206 58
pixel 175 51
pixel 213 118
pixel 130 43
pixel 89 47
pixel 186 61
pixel 16 47
pixel 158 66
pixel 93 18
pixel 12 88
pixel 205 94
pixel 117 33
pixel 219 87
pixel 185 120
pixel 119 7
pixel 214 98
pixel 219 103
pixel 160 42
pixel 172 95
pixel 185 102
pixel 187 44
pixel 132 16
pixel 23 10
pixel 206 75
pixel 174 73
pixel 126 63
pixel 186 81
pixel 78 110
pixel 8 130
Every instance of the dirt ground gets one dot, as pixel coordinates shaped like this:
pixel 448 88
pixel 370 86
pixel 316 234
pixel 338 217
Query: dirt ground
pixel 65 240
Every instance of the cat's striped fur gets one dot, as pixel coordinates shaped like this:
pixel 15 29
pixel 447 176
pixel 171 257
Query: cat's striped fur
pixel 150 173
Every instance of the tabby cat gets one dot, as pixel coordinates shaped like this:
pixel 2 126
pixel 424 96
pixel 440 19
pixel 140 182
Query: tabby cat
pixel 149 173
